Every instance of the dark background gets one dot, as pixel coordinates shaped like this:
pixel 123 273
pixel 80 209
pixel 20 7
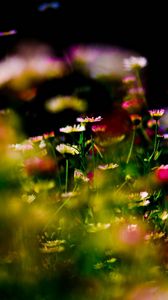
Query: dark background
pixel 134 26
pixel 131 26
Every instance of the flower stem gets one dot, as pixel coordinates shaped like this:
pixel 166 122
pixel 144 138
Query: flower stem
pixel 155 142
pixel 93 154
pixel 131 147
pixel 66 176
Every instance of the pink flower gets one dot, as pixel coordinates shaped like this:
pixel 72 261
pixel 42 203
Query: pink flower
pixel 37 165
pixel 162 173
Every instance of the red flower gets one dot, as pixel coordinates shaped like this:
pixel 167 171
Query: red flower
pixel 162 173
pixel 37 165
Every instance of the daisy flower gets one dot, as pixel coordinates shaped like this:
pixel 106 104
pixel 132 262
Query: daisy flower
pixel 74 128
pixel 89 119
pixel 134 62
pixel 156 114
pixel 78 175
pixel 62 148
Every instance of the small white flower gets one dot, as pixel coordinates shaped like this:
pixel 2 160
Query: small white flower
pixel 134 62
pixel 70 129
pixel 89 119
pixel 62 148
pixel 144 195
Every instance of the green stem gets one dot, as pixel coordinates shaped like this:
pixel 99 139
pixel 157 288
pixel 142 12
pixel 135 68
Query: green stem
pixel 131 147
pixel 58 210
pixel 66 176
pixel 93 155
pixel 155 142
pixel 121 186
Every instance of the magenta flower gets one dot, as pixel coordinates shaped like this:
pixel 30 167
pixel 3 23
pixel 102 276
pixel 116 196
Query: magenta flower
pixel 162 173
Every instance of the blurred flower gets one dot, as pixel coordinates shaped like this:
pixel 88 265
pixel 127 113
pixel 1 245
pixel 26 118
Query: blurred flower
pixel 55 246
pixel 131 234
pixel 151 123
pixel 89 119
pixel 70 194
pixel 136 119
pixel 61 103
pixel 49 134
pixel 156 114
pixel 164 215
pixel 162 173
pixel 134 105
pixel 133 62
pixel 35 139
pixel 21 147
pixel 31 63
pixel 63 148
pixel 99 61
pixel 99 128
pixel 78 175
pixel 97 227
pixel 144 195
pixel 136 91
pixel 70 129
pixel 42 144
pixel 37 165
pixel 108 166
pixel 129 79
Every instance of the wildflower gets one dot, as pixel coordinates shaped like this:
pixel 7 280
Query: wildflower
pixel 62 148
pixel 30 64
pixel 56 246
pixel 97 227
pixel 164 215
pixel 136 91
pixel 69 194
pixel 144 195
pixel 108 166
pixel 156 114
pixel 134 62
pixel 37 165
pixel 151 123
pixel 131 234
pixel 42 144
pixel 89 119
pixel 36 138
pixel 59 104
pixel 102 61
pixel 133 105
pixel 99 128
pixel 129 79
pixel 49 134
pixel 78 175
pixel 162 173
pixel 70 129
pixel 136 119
pixel 21 147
